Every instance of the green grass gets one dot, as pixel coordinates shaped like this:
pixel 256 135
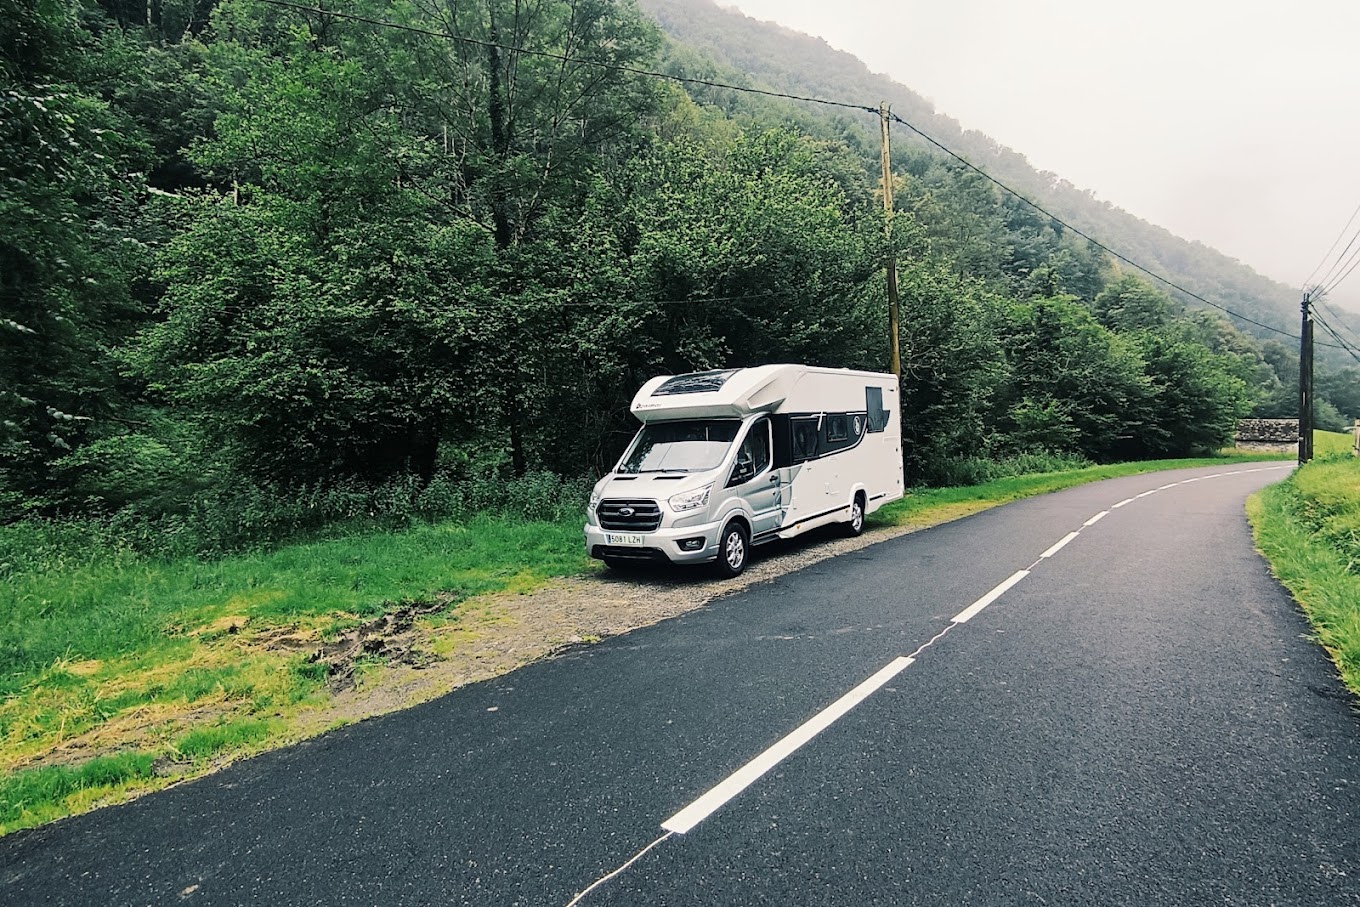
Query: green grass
pixel 124 646
pixel 127 606
pixel 43 794
pixel 226 736
pixel 1332 443
pixel 1308 527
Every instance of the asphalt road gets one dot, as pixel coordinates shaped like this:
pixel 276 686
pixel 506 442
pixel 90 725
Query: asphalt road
pixel 1137 720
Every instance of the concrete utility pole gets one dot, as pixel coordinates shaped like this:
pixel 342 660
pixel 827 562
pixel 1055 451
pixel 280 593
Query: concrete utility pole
pixel 896 358
pixel 1306 382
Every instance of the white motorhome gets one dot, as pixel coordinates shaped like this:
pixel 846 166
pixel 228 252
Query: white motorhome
pixel 730 459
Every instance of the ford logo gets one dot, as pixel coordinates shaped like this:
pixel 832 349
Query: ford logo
pixel 626 511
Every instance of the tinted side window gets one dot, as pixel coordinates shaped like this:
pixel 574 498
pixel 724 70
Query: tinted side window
pixel 804 439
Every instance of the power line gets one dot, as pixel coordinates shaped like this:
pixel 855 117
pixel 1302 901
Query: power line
pixel 564 58
pixel 1339 236
pixel 1086 236
pixel 1355 354
pixel 1339 316
pixel 1352 261
pixel 1345 344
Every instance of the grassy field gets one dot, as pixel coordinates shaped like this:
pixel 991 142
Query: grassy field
pixel 120 673
pixel 1308 527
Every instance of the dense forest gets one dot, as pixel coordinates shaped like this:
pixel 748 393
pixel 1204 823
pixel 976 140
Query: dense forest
pixel 256 255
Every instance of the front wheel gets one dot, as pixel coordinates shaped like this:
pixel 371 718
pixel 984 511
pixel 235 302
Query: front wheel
pixel 855 525
pixel 734 548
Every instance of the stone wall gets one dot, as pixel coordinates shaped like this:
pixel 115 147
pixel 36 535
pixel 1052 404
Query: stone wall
pixel 1268 434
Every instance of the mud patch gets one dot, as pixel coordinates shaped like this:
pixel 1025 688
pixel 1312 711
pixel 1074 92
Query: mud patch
pixel 392 638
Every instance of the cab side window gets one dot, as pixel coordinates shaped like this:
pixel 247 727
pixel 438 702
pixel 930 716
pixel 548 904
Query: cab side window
pixel 754 455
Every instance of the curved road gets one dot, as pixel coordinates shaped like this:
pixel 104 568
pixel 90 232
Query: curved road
pixel 994 711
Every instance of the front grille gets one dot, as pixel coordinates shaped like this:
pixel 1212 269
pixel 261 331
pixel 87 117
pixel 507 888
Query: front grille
pixel 643 516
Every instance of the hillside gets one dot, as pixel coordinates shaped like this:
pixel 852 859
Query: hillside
pixel 770 56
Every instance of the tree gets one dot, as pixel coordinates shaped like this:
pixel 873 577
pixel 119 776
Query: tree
pixel 68 195
pixel 1071 378
pixel 1129 304
pixel 1196 399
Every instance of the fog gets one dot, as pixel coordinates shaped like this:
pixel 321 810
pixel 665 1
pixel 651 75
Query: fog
pixel 1232 123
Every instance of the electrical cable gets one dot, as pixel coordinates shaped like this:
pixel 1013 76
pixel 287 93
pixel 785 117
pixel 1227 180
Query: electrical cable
pixel 1339 236
pixel 1086 236
pixel 1353 261
pixel 1339 316
pixel 1355 354
pixel 563 58
pixel 1346 345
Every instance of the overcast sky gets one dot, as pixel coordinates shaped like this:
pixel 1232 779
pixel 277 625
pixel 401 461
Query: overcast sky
pixel 1234 122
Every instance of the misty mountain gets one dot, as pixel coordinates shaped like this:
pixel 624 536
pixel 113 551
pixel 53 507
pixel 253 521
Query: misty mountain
pixel 725 45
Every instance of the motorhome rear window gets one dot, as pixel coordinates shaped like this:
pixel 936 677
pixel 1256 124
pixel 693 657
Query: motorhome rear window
pixel 694 383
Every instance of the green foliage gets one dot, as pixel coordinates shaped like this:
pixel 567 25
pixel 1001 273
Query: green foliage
pixel 1196 400
pixel 969 471
pixel 1129 304
pixel 1309 528
pixel 68 252
pixel 953 365
pixel 1072 381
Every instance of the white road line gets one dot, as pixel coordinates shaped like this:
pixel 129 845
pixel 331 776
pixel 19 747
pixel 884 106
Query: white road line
pixel 1059 545
pixel 1122 503
pixel 1096 519
pixel 976 607
pixel 742 778
pixel 1146 493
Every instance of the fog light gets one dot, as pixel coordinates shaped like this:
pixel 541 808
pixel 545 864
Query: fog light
pixel 691 544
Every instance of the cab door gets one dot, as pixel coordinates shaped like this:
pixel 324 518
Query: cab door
pixel 756 481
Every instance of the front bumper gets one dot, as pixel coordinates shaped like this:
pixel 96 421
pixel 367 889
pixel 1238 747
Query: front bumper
pixel 663 544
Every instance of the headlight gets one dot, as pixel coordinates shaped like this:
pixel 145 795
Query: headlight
pixel 594 500
pixel 690 500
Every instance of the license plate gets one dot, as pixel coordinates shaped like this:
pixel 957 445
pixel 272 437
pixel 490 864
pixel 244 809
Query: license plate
pixel 631 540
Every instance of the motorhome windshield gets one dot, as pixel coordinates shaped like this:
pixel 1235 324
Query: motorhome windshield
pixel 692 445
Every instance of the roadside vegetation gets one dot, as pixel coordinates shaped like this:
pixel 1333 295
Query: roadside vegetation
pixel 1308 527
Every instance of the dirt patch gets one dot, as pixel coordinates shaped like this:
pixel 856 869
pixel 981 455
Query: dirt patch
pixel 392 638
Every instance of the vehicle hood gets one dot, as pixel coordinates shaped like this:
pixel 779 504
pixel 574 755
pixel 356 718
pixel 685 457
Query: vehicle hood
pixel 657 486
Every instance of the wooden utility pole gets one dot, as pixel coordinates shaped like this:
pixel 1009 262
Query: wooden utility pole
pixel 896 359
pixel 1306 382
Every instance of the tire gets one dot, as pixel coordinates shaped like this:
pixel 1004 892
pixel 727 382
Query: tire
pixel 855 525
pixel 734 550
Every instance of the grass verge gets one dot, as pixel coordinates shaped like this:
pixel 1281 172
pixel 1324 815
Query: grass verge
pixel 122 673
pixel 1308 528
